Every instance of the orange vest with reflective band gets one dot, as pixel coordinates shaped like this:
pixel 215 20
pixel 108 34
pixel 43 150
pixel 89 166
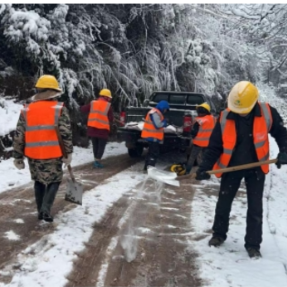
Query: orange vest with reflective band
pixel 261 128
pixel 206 125
pixel 98 116
pixel 149 130
pixel 41 141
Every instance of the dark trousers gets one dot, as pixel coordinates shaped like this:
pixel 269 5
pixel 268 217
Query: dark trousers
pixel 196 153
pixel 99 146
pixel 230 182
pixel 45 195
pixel 152 155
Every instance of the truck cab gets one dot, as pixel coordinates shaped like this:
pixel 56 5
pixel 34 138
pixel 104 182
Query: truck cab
pixel 181 117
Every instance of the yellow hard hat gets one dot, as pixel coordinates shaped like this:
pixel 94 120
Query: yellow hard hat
pixel 105 93
pixel 242 97
pixel 178 168
pixel 48 82
pixel 204 105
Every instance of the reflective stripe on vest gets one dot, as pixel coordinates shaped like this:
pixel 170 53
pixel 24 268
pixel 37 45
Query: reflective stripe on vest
pixel 149 130
pixel 261 128
pixel 98 116
pixel 206 125
pixel 41 141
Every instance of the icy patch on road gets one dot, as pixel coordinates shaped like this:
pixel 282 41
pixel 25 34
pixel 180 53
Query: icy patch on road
pixel 19 221
pixel 11 235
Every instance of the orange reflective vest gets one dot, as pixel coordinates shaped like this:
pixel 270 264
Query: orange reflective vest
pixel 261 128
pixel 98 116
pixel 206 125
pixel 149 130
pixel 41 141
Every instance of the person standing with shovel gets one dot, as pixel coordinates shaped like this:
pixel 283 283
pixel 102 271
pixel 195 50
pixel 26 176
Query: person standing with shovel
pixel 36 139
pixel 240 137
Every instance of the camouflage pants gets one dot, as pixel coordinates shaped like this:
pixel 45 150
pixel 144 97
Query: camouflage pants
pixel 195 154
pixel 46 171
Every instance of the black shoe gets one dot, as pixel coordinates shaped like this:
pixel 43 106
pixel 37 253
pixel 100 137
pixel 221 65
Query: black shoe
pixel 47 217
pixel 40 215
pixel 253 252
pixel 215 241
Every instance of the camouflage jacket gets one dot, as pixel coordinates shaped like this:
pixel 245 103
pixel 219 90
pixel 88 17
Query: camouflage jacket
pixel 48 170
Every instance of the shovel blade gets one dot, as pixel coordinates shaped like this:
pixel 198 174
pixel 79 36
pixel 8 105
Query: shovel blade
pixel 163 176
pixel 74 192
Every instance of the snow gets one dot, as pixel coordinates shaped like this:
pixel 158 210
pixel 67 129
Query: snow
pixel 51 258
pixel 9 114
pixel 11 235
pixel 80 156
pixel 138 126
pixel 19 220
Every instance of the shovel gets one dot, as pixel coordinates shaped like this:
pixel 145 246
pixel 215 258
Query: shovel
pixel 74 190
pixel 172 178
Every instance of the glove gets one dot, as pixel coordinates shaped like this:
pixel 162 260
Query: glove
pixel 19 163
pixel 281 159
pixel 165 123
pixel 67 161
pixel 202 175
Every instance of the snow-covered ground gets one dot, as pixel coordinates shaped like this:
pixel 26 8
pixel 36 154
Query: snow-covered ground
pixel 55 252
pixel 229 265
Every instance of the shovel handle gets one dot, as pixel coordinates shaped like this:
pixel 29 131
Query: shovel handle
pixel 232 168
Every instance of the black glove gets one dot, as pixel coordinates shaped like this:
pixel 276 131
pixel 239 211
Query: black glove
pixel 202 175
pixel 281 159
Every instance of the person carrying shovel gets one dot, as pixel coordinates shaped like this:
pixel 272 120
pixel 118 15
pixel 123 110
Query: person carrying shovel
pixel 240 137
pixel 36 139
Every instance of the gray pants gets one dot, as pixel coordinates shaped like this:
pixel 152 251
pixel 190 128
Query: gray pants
pixel 99 146
pixel 195 154
pixel 45 195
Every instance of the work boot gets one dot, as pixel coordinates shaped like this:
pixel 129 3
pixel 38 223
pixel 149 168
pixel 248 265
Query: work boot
pixel 48 217
pixel 40 215
pixel 253 252
pixel 215 241
pixel 97 164
pixel 188 169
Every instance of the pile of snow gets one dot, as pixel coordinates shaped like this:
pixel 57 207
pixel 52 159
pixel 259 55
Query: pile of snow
pixel 9 115
pixel 138 126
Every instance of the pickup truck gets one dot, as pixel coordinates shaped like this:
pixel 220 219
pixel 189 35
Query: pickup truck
pixel 180 118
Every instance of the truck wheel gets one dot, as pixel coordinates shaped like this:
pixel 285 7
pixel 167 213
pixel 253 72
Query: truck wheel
pixel 135 152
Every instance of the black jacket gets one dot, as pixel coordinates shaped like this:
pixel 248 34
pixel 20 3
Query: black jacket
pixel 244 150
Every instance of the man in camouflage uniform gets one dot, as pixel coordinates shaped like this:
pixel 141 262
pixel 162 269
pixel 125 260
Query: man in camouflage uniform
pixel 47 173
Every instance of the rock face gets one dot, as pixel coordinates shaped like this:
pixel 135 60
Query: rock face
pixel 6 146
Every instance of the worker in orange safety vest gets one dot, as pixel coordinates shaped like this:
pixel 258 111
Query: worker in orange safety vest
pixel 153 131
pixel 240 137
pixel 99 120
pixel 200 133
pixel 36 139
